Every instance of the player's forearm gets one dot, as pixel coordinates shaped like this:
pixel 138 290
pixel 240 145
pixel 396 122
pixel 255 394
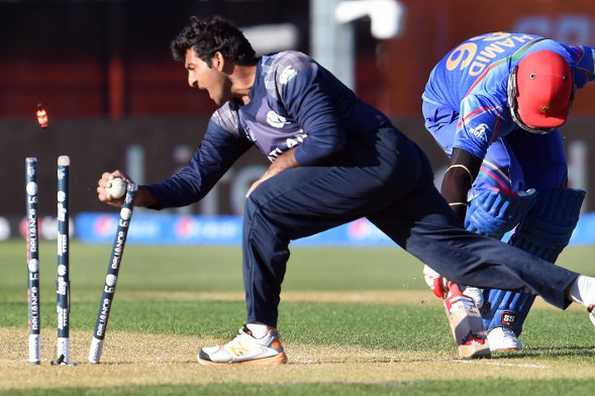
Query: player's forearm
pixel 180 189
pixel 284 161
pixel 218 150
pixel 458 180
pixel 454 189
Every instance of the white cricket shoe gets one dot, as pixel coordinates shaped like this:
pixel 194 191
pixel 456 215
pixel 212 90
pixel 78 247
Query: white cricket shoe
pixel 502 339
pixel 245 349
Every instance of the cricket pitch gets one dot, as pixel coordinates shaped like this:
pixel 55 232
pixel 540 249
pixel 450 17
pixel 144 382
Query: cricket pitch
pixel 146 359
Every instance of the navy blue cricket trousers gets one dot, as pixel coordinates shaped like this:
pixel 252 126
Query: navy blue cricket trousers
pixel 386 178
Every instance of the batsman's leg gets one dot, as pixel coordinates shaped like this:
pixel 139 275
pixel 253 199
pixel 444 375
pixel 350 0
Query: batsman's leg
pixel 544 232
pixel 536 161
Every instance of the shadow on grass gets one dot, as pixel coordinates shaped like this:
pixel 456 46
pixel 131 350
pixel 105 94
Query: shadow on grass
pixel 569 351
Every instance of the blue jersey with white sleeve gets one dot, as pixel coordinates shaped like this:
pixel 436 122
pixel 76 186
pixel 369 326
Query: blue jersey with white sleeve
pixel 472 79
pixel 294 102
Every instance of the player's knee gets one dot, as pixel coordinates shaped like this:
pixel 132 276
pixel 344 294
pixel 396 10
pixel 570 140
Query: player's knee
pixel 256 213
pixel 250 204
pixel 252 214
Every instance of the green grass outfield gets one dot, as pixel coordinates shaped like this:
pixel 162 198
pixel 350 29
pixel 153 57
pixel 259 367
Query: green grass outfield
pixel 354 322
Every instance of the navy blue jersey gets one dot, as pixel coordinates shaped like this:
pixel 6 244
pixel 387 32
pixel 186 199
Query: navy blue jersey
pixel 294 102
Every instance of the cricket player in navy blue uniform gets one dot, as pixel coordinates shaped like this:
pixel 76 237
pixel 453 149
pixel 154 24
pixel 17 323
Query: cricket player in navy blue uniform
pixel 494 104
pixel 333 159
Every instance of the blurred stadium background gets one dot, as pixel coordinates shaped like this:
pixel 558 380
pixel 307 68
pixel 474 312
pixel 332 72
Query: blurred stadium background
pixel 116 99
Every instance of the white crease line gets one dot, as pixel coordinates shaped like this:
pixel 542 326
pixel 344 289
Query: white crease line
pixel 522 365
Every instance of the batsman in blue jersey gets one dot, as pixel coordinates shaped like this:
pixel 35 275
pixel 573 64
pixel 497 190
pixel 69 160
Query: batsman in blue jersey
pixel 333 159
pixel 494 104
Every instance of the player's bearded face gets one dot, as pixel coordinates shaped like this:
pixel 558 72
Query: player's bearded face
pixel 203 77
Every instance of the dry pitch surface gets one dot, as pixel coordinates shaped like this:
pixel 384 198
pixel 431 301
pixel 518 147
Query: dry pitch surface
pixel 147 359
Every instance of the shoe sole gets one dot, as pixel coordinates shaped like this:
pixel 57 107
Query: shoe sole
pixel 273 360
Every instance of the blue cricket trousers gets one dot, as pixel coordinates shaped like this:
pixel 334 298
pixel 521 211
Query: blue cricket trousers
pixel 386 178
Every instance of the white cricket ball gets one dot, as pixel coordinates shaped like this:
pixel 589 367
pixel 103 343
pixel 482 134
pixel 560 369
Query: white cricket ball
pixel 116 188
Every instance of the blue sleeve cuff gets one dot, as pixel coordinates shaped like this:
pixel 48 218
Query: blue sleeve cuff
pixel 156 190
pixel 302 156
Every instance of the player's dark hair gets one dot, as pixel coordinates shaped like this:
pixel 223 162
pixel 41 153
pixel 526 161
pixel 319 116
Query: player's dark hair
pixel 209 35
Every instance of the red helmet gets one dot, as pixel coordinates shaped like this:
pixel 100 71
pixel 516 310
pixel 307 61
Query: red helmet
pixel 543 90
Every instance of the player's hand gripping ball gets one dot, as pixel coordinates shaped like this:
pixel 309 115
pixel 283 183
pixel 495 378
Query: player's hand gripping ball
pixel 116 188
